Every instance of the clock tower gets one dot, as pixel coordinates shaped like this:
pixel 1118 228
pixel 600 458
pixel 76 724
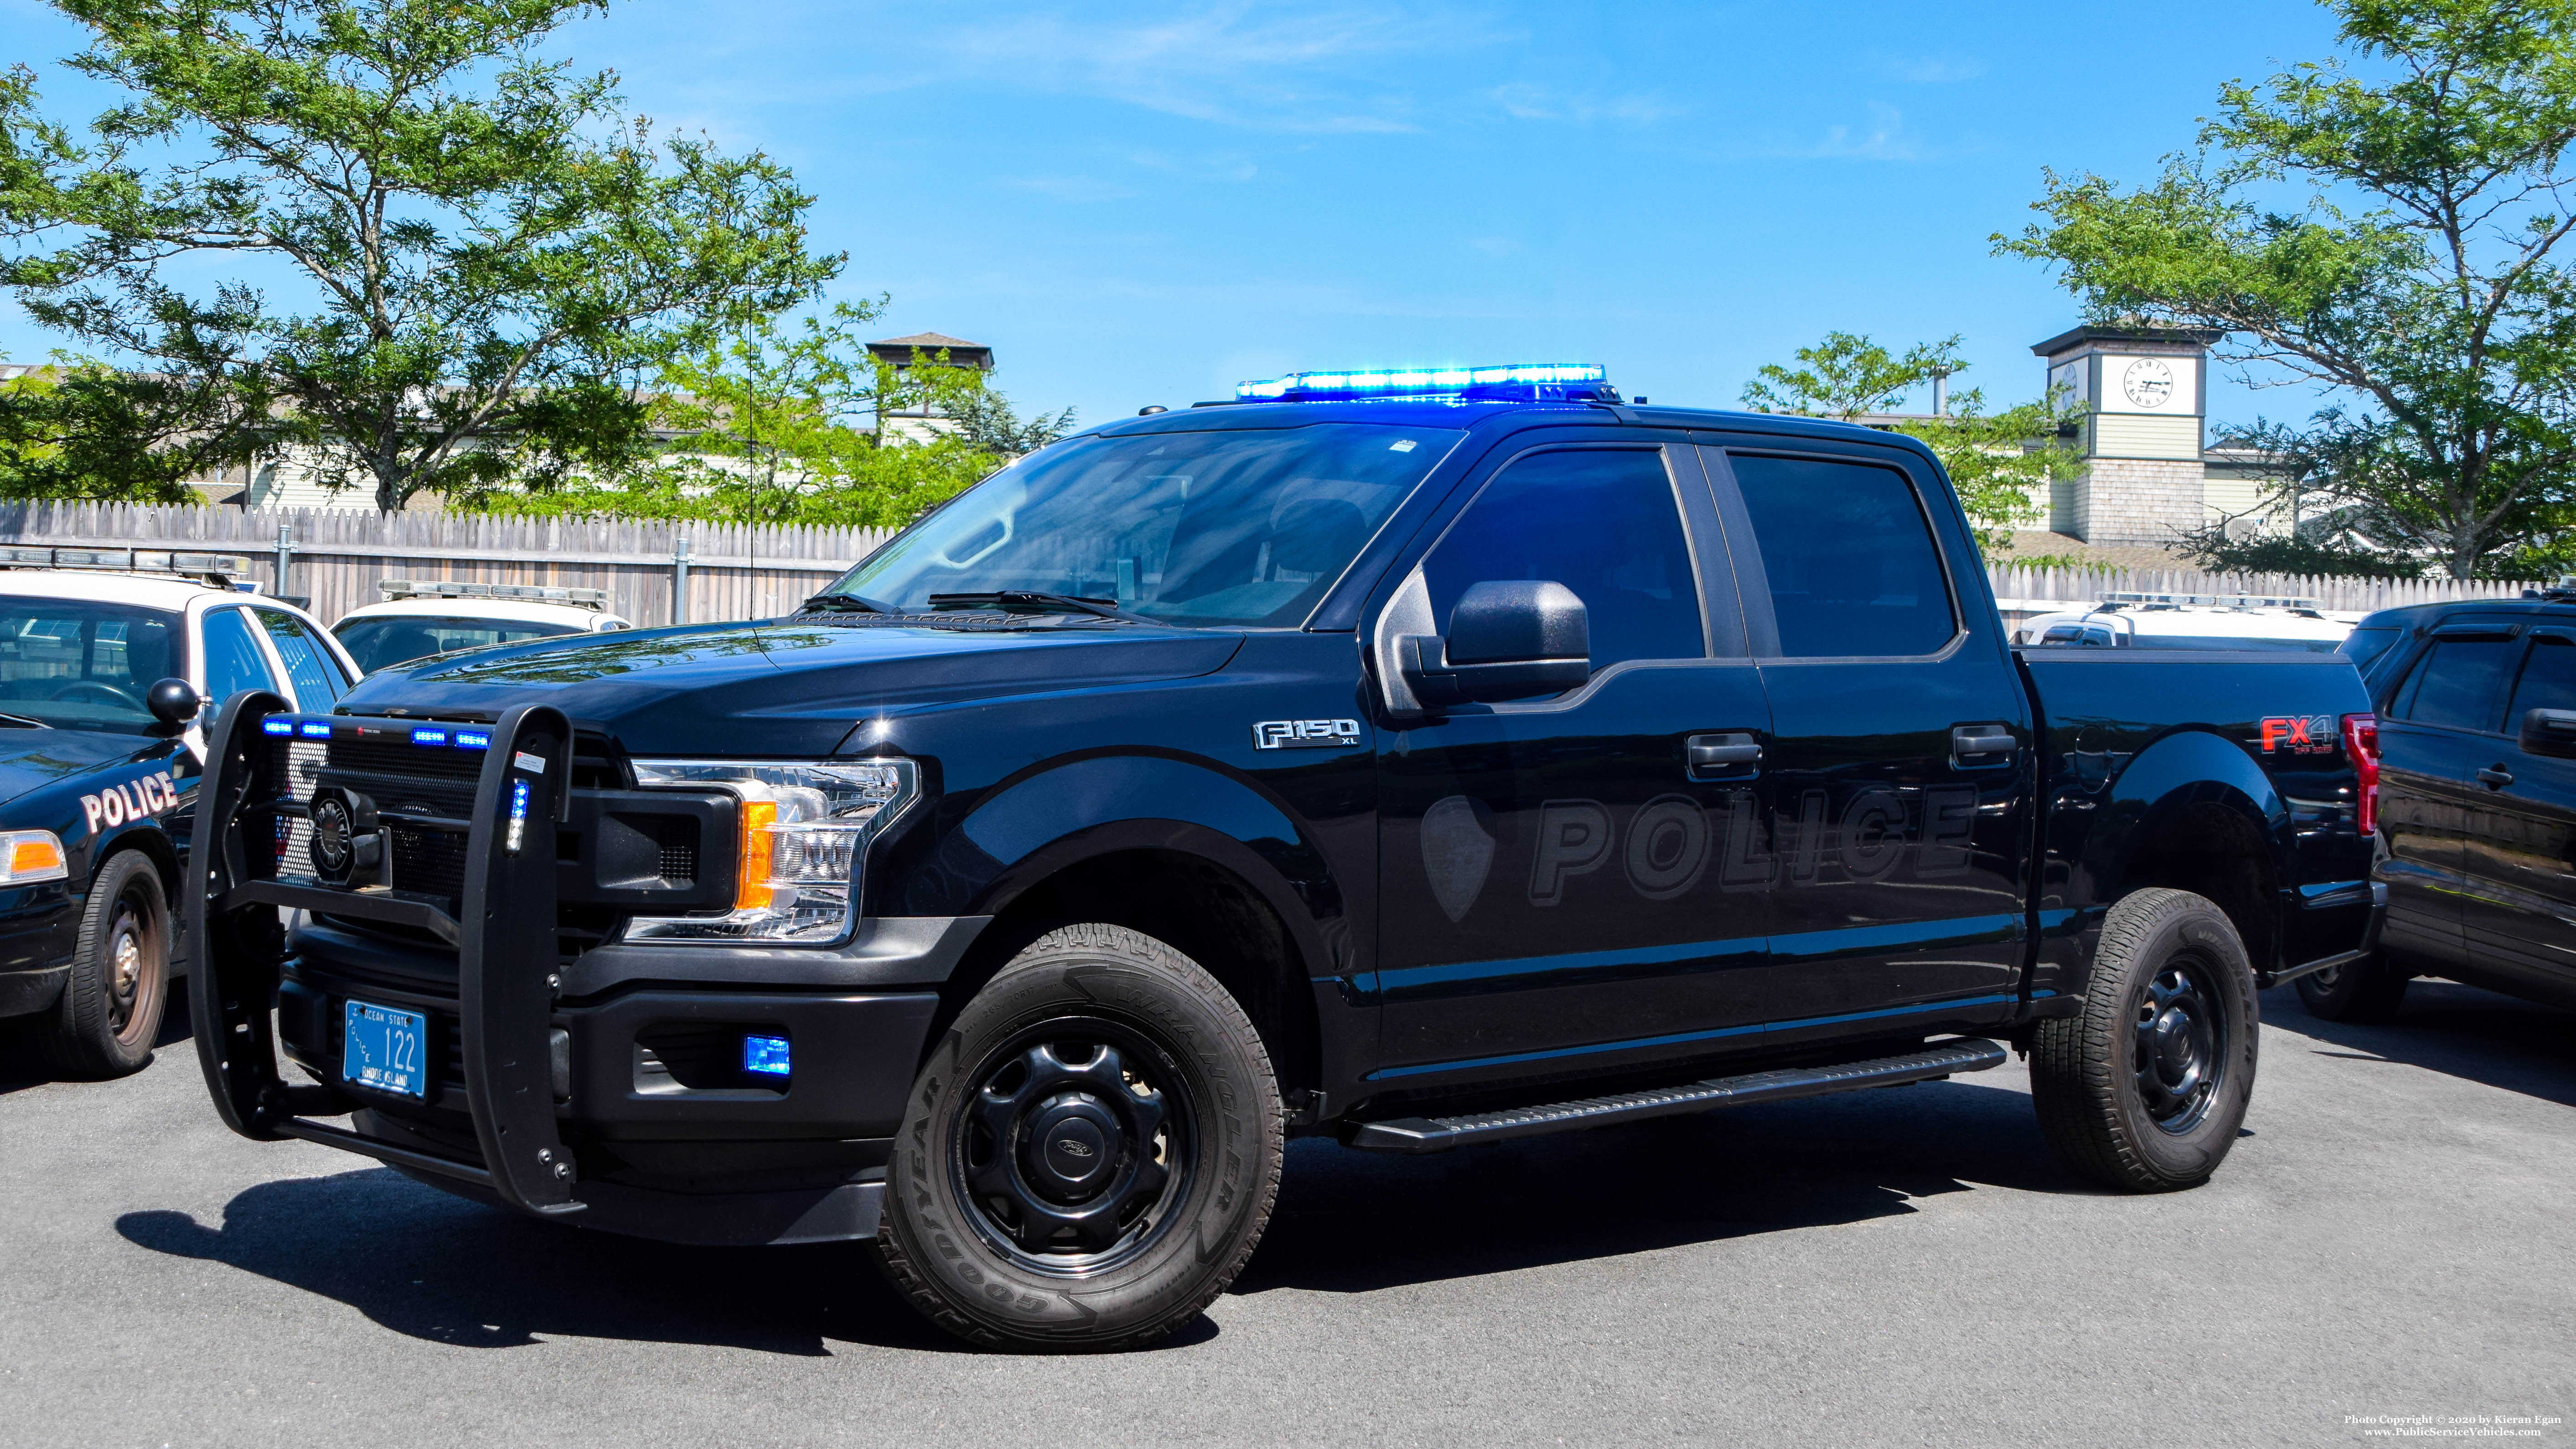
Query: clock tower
pixel 2142 393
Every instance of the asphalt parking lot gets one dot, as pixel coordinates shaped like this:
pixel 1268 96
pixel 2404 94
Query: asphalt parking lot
pixel 2393 1237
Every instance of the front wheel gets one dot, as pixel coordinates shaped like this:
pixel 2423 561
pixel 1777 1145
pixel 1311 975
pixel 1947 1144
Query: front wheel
pixel 2146 1088
pixel 1090 1154
pixel 110 1010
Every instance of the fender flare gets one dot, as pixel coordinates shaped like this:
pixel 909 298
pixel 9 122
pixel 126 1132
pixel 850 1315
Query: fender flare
pixel 2183 770
pixel 1066 811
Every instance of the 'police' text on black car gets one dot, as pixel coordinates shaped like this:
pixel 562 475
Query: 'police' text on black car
pixel 1420 759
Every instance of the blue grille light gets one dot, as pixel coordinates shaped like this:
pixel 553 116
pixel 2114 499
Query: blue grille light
pixel 314 729
pixel 429 737
pixel 518 816
pixel 765 1056
pixel 1422 381
pixel 474 739
pixel 276 726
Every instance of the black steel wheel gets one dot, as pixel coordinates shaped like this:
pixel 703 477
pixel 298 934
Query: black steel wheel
pixel 1090 1153
pixel 1075 1142
pixel 110 1010
pixel 2146 1088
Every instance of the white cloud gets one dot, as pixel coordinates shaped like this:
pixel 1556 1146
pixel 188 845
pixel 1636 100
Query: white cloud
pixel 1882 138
pixel 1072 188
pixel 1932 70
pixel 1527 102
pixel 1269 68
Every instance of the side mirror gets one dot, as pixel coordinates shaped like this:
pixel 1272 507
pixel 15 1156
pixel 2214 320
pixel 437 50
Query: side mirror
pixel 172 701
pixel 1506 640
pixel 2549 732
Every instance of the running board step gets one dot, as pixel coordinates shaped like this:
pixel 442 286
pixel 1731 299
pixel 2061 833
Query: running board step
pixel 1439 1134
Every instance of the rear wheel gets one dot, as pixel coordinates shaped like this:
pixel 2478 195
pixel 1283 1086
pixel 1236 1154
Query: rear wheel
pixel 1091 1153
pixel 2365 990
pixel 111 1007
pixel 2146 1088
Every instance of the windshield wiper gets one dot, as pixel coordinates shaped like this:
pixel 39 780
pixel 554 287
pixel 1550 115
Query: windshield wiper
pixel 847 603
pixel 1029 601
pixel 24 721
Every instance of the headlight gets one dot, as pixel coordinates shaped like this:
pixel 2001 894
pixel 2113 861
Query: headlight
pixel 29 856
pixel 805 826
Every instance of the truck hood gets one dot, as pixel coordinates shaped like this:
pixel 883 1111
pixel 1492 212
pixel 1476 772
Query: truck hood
pixel 32 759
pixel 779 687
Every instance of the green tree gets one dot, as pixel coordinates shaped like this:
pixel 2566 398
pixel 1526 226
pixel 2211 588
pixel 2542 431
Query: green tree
pixel 1999 461
pixel 1994 460
pixel 1847 375
pixel 2395 238
pixel 483 251
pixel 78 429
pixel 778 424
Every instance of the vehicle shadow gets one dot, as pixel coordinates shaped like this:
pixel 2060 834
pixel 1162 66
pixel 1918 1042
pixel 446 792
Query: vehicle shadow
pixel 2460 1031
pixel 1353 1222
pixel 448 1271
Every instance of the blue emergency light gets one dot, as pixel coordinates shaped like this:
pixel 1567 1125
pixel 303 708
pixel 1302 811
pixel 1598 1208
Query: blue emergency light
pixel 429 737
pixel 765 1056
pixel 277 725
pixel 314 729
pixel 1520 381
pixel 474 739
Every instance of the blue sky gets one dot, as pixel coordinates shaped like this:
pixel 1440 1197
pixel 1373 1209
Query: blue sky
pixel 1142 203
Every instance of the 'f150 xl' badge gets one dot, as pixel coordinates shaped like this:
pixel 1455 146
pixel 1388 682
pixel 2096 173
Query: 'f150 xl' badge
pixel 1304 734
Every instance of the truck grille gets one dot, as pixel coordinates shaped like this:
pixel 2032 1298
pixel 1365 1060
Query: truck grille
pixel 425 862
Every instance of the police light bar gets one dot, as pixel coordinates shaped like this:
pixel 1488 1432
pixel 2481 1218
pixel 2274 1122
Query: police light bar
pixel 457 589
pixel 1579 381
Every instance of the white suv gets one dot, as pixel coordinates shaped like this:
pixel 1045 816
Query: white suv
pixel 422 618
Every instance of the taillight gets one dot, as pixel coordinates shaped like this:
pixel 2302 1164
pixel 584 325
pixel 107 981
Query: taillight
pixel 2361 746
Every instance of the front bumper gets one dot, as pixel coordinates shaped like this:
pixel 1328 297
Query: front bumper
pixel 23 993
pixel 602 1087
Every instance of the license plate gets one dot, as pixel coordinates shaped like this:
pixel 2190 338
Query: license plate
pixel 383 1048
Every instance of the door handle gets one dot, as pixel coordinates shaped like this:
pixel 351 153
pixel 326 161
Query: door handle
pixel 2495 778
pixel 1981 746
pixel 1734 755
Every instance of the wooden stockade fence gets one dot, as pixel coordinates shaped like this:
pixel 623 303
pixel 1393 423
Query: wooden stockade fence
pixel 2025 591
pixel 732 571
pixel 335 558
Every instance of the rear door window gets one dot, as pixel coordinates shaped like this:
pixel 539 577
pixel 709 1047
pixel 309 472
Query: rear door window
pixel 2461 683
pixel 310 669
pixel 1848 558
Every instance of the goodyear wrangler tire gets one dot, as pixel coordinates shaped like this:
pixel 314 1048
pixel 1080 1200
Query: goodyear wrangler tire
pixel 1090 1154
pixel 2146 1088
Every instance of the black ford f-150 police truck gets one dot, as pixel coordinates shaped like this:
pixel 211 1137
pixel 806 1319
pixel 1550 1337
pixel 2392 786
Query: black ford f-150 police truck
pixel 1490 759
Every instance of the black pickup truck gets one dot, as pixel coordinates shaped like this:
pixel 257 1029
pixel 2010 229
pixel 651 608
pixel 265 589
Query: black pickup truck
pixel 1493 759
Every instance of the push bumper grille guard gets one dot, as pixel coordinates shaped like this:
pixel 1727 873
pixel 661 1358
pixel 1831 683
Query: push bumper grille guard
pixel 501 925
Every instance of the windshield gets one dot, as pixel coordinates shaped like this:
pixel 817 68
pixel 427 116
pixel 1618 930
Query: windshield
pixel 78 665
pixel 1245 528
pixel 390 639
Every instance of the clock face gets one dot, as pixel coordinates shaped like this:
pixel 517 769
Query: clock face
pixel 2148 383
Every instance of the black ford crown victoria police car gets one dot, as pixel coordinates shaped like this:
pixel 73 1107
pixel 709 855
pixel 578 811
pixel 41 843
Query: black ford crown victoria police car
pixel 1493 759
pixel 103 666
